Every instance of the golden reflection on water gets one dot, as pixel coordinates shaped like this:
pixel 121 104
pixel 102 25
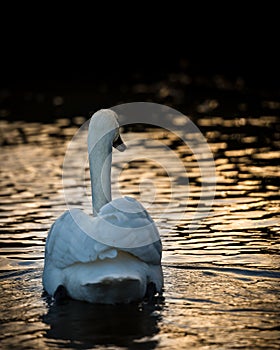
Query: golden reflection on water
pixel 221 280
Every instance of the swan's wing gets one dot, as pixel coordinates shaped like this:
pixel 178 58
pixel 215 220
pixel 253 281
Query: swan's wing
pixel 67 242
pixel 126 225
pixel 122 224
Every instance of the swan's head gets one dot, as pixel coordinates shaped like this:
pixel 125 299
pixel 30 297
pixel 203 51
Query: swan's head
pixel 105 122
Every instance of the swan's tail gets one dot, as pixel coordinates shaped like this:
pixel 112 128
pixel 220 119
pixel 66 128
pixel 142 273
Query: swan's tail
pixel 123 279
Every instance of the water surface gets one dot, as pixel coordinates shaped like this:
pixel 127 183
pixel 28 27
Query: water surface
pixel 221 280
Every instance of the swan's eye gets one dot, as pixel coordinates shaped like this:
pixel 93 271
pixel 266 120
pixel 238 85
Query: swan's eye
pixel 116 136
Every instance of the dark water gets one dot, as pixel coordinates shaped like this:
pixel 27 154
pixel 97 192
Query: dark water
pixel 221 280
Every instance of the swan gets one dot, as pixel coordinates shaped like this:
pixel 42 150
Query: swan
pixel 114 255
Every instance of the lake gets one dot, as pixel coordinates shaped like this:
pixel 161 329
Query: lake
pixel 221 270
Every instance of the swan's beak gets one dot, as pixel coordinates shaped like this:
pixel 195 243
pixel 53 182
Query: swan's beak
pixel 119 144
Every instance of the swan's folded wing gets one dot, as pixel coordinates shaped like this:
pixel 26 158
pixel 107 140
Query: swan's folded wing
pixel 68 243
pixel 126 225
pixel 122 224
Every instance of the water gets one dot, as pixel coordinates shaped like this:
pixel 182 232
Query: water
pixel 221 280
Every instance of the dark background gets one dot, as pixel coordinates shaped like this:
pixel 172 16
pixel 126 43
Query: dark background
pixel 55 68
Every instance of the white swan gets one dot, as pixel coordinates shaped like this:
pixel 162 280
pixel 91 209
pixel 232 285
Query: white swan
pixel 113 256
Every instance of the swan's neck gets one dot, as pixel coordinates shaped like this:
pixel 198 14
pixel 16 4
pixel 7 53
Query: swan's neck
pixel 100 161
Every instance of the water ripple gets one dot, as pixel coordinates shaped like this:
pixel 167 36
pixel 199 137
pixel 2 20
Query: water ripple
pixel 221 279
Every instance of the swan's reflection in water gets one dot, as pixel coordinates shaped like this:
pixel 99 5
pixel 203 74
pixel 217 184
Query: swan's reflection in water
pixel 85 325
